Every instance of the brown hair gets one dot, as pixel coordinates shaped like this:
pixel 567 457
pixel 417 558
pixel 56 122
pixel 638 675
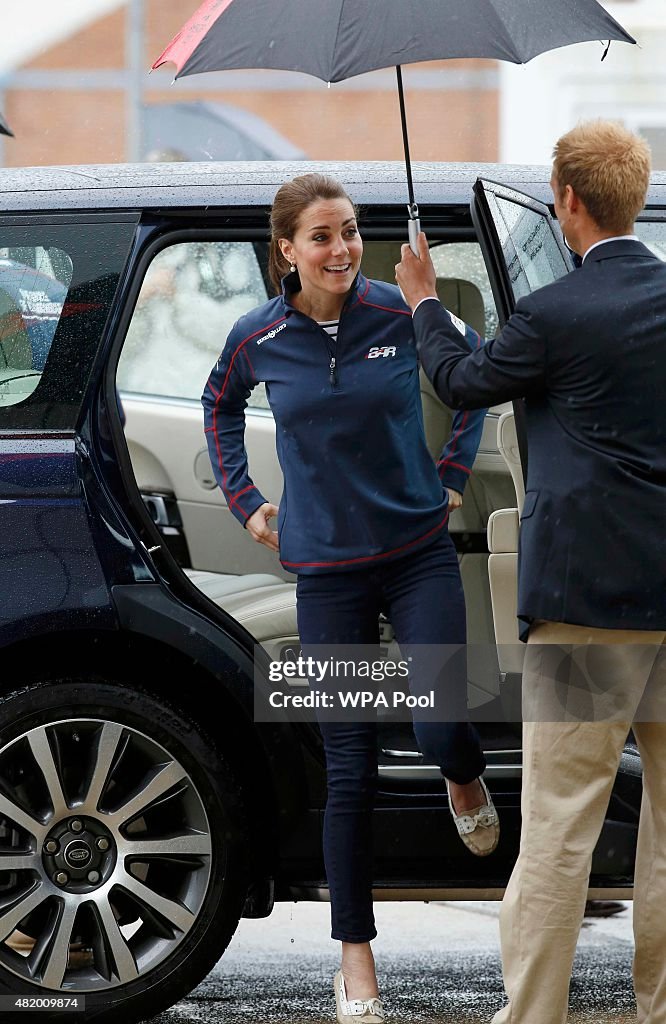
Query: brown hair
pixel 608 167
pixel 290 201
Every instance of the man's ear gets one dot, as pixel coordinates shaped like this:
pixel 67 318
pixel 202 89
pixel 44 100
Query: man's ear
pixel 571 200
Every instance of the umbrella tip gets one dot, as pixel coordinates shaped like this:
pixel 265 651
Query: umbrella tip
pixel 605 53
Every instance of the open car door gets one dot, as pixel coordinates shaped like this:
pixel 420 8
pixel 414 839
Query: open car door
pixel 524 250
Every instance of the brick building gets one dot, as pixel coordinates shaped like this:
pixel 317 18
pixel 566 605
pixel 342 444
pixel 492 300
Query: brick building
pixel 80 97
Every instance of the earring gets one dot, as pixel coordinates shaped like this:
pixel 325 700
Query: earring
pixel 293 268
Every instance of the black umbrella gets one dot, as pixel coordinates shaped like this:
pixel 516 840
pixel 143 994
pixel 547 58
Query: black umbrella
pixel 4 127
pixel 338 39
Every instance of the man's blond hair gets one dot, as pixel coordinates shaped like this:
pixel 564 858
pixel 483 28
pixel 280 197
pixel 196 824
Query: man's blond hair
pixel 608 167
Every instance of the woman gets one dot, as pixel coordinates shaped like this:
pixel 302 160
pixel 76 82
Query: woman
pixel 362 519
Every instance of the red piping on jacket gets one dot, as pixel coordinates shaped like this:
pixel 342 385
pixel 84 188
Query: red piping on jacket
pixel 372 558
pixel 221 394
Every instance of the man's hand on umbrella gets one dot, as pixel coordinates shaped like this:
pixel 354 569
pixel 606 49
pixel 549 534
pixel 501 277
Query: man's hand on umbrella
pixel 416 274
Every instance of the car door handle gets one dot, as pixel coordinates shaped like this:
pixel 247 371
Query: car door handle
pixel 203 471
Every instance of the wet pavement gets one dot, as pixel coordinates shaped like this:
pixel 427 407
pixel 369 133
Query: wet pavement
pixel 438 963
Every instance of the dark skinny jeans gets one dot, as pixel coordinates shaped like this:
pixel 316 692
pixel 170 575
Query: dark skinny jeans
pixel 422 596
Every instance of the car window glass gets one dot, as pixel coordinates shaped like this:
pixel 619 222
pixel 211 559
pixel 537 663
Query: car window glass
pixel 653 233
pixel 34 281
pixel 530 250
pixel 61 275
pixel 192 295
pixel 462 276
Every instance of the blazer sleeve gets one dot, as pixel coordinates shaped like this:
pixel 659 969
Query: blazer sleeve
pixel 224 401
pixel 512 365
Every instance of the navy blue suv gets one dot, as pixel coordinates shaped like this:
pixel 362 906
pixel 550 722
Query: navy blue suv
pixel 143 807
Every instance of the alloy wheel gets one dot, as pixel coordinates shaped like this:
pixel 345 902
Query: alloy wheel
pixel 105 854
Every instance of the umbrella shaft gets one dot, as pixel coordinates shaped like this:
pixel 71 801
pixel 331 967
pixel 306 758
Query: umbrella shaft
pixel 405 140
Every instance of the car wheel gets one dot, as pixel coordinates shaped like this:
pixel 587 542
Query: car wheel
pixel 121 850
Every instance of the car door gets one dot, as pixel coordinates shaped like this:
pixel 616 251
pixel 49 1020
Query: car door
pixel 524 250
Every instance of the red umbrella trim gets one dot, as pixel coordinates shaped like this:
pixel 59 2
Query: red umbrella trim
pixel 183 45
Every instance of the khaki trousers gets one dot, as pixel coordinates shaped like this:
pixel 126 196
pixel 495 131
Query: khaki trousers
pixel 568 772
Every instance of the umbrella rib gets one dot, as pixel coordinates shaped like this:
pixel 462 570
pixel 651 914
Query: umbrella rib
pixel 337 36
pixel 503 35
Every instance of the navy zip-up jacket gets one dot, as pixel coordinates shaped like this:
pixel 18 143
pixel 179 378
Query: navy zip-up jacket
pixel 360 486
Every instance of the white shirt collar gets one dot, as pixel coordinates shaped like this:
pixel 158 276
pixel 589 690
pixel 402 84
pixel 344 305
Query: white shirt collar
pixel 616 238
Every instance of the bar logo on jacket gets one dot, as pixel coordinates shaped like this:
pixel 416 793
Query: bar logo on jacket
pixel 377 351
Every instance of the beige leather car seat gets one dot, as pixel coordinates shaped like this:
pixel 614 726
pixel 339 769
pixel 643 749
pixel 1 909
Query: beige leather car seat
pixel 15 348
pixel 503 527
pixel 265 605
pixel 465 300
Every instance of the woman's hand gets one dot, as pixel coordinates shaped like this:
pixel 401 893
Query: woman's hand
pixel 257 526
pixel 455 499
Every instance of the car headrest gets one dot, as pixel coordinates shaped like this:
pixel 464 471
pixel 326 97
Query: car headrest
pixel 465 300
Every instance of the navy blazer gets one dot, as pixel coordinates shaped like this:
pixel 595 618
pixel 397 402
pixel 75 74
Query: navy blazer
pixel 588 354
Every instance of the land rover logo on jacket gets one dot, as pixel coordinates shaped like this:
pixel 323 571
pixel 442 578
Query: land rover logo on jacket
pixel 271 334
pixel 377 351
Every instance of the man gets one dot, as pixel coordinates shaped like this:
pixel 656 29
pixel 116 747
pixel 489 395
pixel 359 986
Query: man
pixel 588 355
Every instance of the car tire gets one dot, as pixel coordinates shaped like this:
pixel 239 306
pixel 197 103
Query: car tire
pixel 105 770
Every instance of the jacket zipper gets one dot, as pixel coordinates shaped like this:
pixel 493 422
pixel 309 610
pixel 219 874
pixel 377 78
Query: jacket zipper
pixel 332 364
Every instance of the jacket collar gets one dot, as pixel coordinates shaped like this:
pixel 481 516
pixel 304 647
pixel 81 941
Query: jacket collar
pixel 291 284
pixel 620 247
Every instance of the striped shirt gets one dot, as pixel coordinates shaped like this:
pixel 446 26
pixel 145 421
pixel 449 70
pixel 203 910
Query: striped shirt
pixel 331 328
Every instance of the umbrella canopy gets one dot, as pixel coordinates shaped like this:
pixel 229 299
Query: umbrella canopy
pixel 339 39
pixel 4 127
pixel 342 38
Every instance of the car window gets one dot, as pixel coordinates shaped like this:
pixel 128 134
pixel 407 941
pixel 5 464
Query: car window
pixel 461 273
pixel 58 280
pixel 192 295
pixel 530 250
pixel 653 233
pixel 33 288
